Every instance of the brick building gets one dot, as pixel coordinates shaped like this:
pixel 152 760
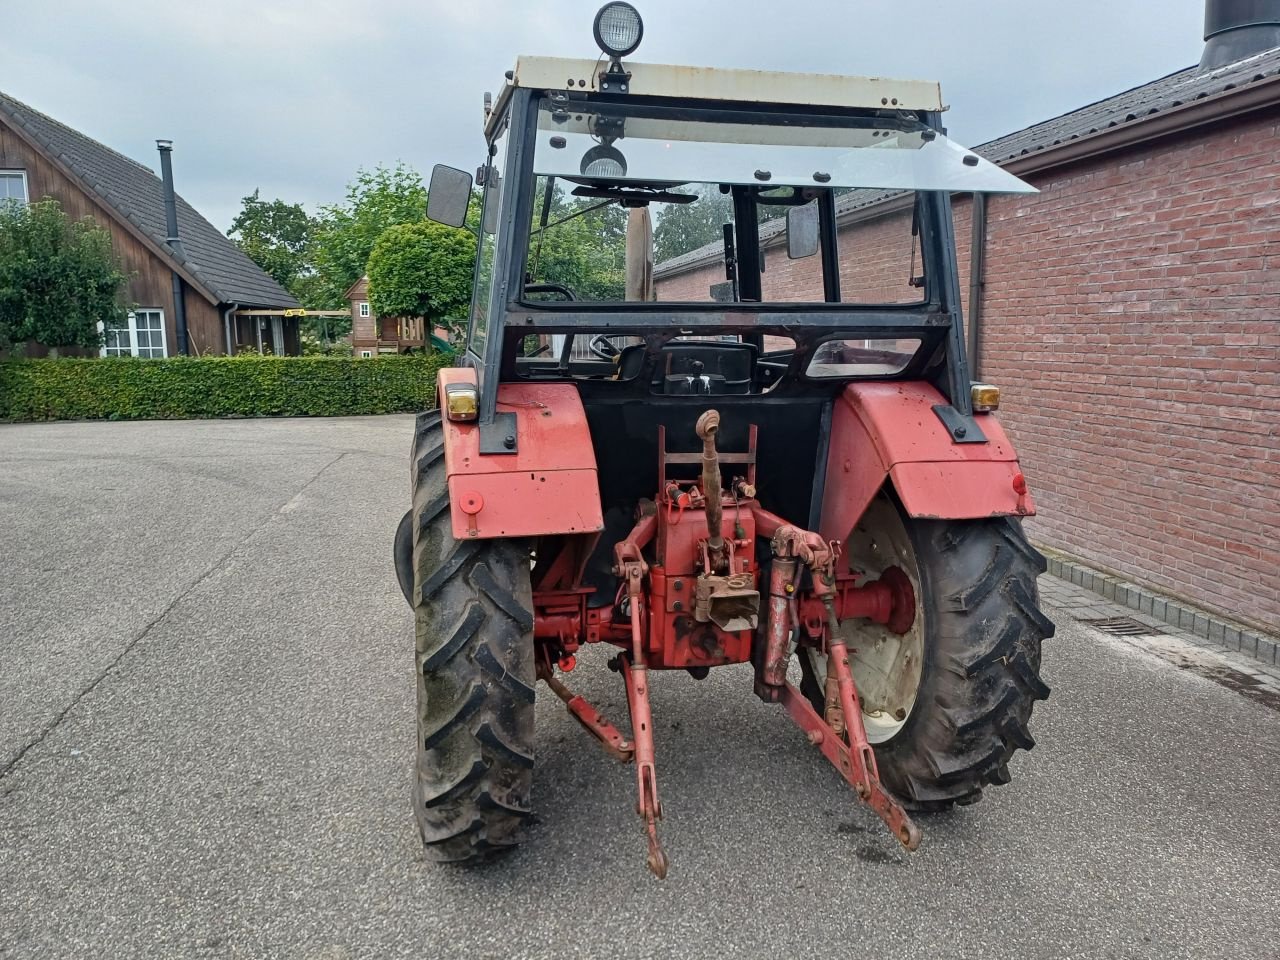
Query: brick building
pixel 1130 311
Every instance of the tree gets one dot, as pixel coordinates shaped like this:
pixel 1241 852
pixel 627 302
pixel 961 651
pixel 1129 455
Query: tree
pixel 346 233
pixel 682 228
pixel 59 279
pixel 280 238
pixel 423 270
pixel 581 248
pixel 277 237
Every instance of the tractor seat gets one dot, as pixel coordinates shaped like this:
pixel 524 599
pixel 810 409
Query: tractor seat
pixel 695 367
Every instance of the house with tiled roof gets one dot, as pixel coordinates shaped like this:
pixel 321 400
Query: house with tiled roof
pixel 197 290
pixel 1130 313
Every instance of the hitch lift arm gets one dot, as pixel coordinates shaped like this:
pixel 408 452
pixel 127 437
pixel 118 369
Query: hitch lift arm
pixel 855 759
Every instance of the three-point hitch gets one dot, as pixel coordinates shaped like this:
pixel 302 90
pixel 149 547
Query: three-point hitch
pixel 696 602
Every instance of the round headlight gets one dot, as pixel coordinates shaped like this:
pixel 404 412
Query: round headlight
pixel 618 29
pixel 603 163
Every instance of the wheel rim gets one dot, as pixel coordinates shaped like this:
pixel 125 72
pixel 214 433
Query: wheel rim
pixel 887 667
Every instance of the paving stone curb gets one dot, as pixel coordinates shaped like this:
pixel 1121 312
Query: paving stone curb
pixel 1177 613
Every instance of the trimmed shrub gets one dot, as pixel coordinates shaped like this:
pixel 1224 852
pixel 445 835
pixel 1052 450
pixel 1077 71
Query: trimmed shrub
pixel 125 388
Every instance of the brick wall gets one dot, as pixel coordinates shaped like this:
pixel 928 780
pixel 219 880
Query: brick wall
pixel 875 264
pixel 691 286
pixel 1132 319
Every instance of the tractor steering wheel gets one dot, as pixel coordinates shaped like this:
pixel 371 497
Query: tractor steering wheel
pixel 564 291
pixel 603 348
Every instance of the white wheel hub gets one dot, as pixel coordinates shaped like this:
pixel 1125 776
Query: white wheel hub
pixel 886 666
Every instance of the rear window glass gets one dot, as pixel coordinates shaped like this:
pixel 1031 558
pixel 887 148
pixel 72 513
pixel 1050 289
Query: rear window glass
pixel 862 358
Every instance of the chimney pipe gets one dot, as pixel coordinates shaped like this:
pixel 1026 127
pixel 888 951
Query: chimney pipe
pixel 175 243
pixel 1235 29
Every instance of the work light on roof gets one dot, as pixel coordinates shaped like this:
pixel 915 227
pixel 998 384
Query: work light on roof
pixel 618 29
pixel 603 161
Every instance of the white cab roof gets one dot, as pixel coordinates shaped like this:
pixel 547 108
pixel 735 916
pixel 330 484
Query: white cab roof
pixel 750 86
pixel 706 83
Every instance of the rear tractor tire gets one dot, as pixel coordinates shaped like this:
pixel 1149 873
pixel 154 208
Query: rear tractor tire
pixel 475 673
pixel 947 704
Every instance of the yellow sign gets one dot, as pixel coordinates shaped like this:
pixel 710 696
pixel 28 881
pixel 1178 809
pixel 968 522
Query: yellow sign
pixel 295 313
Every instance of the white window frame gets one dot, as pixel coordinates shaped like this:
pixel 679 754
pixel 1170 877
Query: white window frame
pixel 365 312
pixel 26 187
pixel 366 354
pixel 132 326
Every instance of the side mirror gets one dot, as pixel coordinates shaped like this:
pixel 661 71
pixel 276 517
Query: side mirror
pixel 802 231
pixel 448 195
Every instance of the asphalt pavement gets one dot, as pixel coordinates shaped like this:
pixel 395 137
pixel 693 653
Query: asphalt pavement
pixel 206 733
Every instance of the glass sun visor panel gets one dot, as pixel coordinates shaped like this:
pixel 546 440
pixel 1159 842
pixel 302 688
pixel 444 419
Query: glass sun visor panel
pixel 623 146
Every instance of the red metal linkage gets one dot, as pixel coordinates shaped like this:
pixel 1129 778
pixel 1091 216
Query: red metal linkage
pixel 558 617
pixel 856 764
pixel 629 550
pixel 591 719
pixel 636 674
pixel 778 628
pixel 557 626
pixel 891 600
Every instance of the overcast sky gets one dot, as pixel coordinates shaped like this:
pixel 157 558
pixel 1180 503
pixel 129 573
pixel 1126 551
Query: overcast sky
pixel 292 96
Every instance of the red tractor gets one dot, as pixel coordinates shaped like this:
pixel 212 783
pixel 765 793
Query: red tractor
pixel 788 467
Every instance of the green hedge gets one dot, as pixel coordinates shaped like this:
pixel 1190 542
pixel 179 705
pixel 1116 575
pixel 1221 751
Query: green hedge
pixel 196 387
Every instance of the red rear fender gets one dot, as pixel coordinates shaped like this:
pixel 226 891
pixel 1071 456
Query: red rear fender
pixel 888 431
pixel 548 485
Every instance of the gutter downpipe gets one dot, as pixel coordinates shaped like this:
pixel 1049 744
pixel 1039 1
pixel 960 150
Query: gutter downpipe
pixel 977 277
pixel 175 244
pixel 226 325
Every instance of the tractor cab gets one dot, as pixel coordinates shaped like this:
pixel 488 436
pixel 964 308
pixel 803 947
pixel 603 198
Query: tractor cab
pixel 600 170
pixel 713 408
